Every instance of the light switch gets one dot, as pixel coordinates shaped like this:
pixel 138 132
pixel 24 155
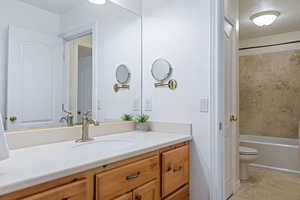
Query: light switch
pixel 148 105
pixel 204 105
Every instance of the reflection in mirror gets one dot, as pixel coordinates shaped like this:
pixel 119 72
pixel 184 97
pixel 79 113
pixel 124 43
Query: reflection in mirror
pixel 123 74
pixel 61 60
pixel 161 70
pixel 80 67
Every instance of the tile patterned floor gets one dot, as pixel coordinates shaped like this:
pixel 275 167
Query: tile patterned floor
pixel 266 184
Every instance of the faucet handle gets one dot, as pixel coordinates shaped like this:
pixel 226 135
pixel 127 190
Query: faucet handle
pixel 95 123
pixel 87 114
pixel 64 110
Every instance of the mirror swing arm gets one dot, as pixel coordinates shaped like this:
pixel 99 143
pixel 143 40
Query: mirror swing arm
pixel 172 84
pixel 118 87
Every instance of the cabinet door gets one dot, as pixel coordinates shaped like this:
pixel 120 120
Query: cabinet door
pixel 149 191
pixel 182 194
pixel 175 169
pixel 127 196
pixel 73 191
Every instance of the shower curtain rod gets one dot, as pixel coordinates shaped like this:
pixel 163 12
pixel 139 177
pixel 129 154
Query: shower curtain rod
pixel 270 45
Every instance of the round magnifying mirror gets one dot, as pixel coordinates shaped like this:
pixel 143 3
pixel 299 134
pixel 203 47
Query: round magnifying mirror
pixel 161 69
pixel 122 74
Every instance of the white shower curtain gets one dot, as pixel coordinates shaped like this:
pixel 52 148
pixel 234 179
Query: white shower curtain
pixel 4 152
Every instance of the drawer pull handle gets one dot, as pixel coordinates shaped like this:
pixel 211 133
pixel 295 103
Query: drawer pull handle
pixel 138 197
pixel 133 176
pixel 66 198
pixel 177 169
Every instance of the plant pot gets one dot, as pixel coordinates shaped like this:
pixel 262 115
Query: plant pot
pixel 142 127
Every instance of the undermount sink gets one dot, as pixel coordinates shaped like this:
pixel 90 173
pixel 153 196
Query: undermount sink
pixel 104 145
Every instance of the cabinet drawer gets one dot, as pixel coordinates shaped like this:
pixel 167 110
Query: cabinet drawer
pixel 175 169
pixel 182 194
pixel 73 191
pixel 124 179
pixel 127 196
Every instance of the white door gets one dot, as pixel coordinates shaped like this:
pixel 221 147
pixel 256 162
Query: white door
pixel 35 90
pixel 230 111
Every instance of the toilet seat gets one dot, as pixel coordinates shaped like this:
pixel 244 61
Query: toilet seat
pixel 248 151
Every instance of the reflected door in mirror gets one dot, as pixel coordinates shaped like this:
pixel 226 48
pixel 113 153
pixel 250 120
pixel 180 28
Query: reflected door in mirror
pixel 34 93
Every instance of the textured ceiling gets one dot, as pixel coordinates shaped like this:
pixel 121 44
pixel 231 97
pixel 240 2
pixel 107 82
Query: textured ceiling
pixel 288 21
pixel 55 6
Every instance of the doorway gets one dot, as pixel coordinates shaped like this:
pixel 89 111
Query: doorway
pixel 80 73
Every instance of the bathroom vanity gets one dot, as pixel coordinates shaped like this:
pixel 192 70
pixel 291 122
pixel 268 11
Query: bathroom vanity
pixel 151 166
pixel 84 66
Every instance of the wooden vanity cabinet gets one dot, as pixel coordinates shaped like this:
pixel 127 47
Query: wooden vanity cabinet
pixel 158 175
pixel 127 196
pixel 181 194
pixel 149 191
pixel 73 191
pixel 124 179
pixel 175 169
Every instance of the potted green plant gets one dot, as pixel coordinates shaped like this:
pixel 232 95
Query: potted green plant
pixel 142 123
pixel 127 117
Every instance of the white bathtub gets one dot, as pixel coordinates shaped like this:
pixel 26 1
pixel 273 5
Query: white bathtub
pixel 275 153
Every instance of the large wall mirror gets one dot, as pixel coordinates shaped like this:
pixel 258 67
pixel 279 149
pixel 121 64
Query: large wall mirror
pixel 58 61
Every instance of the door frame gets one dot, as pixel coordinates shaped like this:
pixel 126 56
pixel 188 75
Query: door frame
pixel 217 96
pixel 76 32
pixel 217 102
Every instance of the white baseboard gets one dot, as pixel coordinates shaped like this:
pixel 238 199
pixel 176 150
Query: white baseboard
pixel 236 186
pixel 275 168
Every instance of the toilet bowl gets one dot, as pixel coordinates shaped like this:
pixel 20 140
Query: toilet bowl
pixel 247 156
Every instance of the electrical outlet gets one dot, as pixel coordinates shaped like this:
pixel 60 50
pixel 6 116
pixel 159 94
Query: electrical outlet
pixel 98 104
pixel 136 105
pixel 148 105
pixel 204 105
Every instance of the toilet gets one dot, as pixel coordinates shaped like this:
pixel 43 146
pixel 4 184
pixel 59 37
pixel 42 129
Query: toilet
pixel 247 156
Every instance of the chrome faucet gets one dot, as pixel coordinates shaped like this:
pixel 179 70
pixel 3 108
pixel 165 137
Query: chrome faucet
pixel 86 121
pixel 68 117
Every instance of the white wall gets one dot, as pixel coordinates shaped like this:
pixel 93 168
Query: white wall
pixel 21 15
pixel 269 40
pixel 272 39
pixel 119 43
pixel 133 5
pixel 179 31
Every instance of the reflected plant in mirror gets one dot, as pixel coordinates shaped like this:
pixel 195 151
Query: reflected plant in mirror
pixel 127 117
pixel 70 61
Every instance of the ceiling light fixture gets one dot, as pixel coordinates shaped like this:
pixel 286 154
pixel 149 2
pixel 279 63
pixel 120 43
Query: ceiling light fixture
pixel 99 2
pixel 265 18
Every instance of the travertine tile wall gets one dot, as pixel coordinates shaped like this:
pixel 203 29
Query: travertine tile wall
pixel 270 94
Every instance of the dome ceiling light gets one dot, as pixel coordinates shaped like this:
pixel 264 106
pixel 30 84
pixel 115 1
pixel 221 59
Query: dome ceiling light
pixel 265 18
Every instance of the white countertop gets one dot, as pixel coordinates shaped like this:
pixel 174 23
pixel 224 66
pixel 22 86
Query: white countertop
pixel 35 165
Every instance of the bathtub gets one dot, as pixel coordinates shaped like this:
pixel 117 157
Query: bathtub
pixel 274 153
